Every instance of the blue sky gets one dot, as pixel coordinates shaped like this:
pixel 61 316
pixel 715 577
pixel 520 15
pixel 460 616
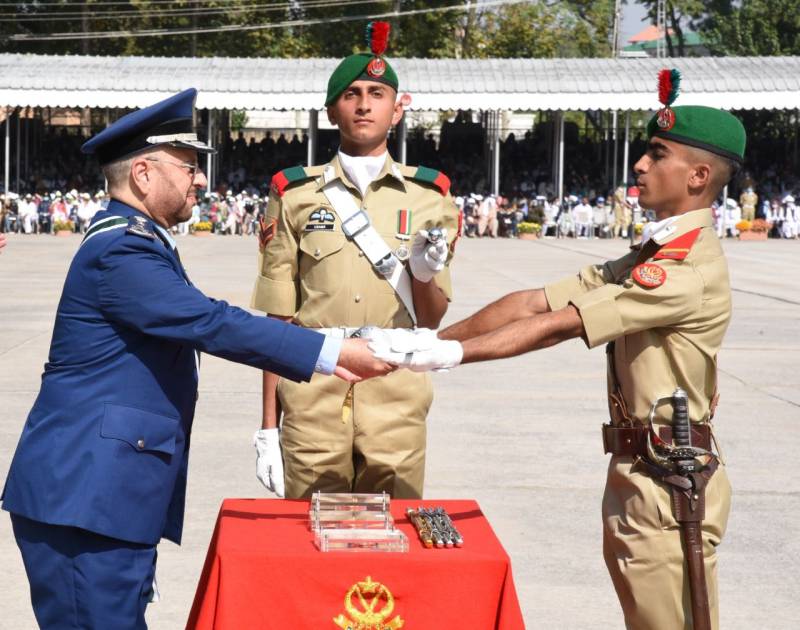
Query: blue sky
pixel 632 15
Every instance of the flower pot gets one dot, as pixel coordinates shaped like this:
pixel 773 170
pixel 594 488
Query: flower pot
pixel 752 236
pixel 64 232
pixel 529 237
pixel 201 233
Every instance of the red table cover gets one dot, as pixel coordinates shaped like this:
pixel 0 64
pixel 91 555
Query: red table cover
pixel 264 571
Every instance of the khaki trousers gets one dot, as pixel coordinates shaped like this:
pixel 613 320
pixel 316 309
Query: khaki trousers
pixel 379 446
pixel 643 550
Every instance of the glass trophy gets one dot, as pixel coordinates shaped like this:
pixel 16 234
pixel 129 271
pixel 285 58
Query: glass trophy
pixel 354 522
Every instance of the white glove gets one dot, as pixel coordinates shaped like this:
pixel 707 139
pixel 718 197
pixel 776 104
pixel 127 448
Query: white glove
pixel 269 463
pixel 442 355
pixel 428 259
pixel 401 339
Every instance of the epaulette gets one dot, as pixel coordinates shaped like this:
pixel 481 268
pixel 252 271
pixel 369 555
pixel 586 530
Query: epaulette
pixel 431 176
pixel 678 248
pixel 283 179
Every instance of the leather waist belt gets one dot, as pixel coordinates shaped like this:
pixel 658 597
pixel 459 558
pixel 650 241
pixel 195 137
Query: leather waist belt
pixel 633 440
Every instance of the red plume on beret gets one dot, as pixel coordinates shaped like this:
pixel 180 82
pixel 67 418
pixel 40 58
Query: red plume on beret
pixel 378 37
pixel 669 82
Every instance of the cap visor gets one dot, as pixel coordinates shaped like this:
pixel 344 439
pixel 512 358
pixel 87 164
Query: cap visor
pixel 200 147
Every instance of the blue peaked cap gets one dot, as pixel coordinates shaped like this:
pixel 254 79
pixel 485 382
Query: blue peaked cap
pixel 167 122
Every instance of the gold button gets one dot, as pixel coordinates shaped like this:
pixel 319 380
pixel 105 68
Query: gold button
pixel 361 254
pixel 140 443
pixel 357 298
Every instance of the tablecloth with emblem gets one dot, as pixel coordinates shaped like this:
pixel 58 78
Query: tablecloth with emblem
pixel 263 571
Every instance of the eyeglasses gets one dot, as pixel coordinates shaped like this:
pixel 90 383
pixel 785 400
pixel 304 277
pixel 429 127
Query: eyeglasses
pixel 191 167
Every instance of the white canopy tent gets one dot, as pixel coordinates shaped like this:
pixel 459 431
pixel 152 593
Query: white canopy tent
pixel 489 85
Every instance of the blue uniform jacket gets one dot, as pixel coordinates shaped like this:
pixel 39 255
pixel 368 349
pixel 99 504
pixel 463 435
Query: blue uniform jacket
pixel 106 445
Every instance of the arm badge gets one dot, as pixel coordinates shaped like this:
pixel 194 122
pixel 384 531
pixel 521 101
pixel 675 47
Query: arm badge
pixel 266 231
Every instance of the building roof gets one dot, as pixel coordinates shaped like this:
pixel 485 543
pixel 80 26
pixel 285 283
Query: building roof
pixel 434 84
pixel 648 34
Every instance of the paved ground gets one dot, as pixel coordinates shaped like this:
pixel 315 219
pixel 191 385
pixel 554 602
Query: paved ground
pixel 521 436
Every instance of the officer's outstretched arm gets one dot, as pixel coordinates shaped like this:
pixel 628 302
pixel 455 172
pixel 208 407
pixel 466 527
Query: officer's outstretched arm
pixel 523 335
pixel 508 309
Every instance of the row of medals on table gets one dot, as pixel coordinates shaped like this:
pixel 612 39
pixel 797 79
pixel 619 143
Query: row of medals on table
pixel 363 522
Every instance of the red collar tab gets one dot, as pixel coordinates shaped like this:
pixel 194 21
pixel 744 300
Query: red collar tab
pixel 678 249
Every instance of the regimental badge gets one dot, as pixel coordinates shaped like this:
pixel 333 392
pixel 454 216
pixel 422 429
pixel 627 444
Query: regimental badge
pixel 376 67
pixel 321 219
pixel 139 226
pixel 368 606
pixel 266 231
pixel 649 275
pixel 665 119
pixel 404 225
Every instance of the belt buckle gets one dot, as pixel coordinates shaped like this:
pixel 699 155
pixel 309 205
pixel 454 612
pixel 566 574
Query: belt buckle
pixel 355 224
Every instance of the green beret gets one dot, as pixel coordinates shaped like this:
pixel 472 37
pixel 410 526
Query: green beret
pixel 366 66
pixel 714 130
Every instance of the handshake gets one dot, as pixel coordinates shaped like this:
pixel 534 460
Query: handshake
pixel 376 351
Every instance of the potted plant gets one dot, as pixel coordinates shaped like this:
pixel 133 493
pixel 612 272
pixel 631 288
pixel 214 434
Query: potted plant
pixel 203 228
pixel 528 230
pixel 63 228
pixel 753 230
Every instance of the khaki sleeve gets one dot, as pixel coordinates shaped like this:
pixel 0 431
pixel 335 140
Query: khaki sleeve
pixel 561 293
pixel 614 310
pixel 449 220
pixel 276 290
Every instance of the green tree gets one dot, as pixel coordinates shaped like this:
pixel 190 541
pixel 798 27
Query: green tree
pixel 752 27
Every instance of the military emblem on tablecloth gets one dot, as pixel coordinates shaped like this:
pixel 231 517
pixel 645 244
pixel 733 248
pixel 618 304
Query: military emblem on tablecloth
pixel 321 219
pixel 266 231
pixel 649 275
pixel 368 606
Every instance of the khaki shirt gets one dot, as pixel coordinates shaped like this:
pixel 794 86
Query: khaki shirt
pixel 321 278
pixel 664 336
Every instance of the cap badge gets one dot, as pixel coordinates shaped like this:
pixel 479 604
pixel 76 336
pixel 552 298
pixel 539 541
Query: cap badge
pixel 665 119
pixel 376 68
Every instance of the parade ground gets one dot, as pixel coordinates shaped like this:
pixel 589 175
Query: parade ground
pixel 521 436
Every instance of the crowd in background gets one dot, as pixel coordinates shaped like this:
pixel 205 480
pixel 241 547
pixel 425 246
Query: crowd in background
pixel 527 202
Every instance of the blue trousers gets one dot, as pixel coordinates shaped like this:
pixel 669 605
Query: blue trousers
pixel 80 579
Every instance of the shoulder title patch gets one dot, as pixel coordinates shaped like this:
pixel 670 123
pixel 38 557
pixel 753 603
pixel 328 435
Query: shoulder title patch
pixel 649 275
pixel 432 176
pixel 678 248
pixel 282 179
pixel 140 227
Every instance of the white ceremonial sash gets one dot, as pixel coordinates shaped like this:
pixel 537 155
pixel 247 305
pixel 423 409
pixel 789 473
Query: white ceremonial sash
pixel 357 226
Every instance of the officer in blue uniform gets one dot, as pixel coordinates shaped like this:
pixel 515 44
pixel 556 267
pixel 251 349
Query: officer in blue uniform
pixel 99 475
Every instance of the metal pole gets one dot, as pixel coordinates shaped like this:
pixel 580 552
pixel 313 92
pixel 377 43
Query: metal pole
pixel 496 156
pixel 606 144
pixel 209 156
pixel 626 152
pixel 402 144
pixel 313 126
pixel 561 156
pixel 7 160
pixel 616 146
pixel 27 140
pixel 724 210
pixel 18 152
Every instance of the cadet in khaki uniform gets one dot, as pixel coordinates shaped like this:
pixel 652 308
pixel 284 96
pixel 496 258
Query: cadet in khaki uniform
pixel 664 309
pixel 748 200
pixel 369 437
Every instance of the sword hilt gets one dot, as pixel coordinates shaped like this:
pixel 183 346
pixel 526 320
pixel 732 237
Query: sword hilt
pixel 682 429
